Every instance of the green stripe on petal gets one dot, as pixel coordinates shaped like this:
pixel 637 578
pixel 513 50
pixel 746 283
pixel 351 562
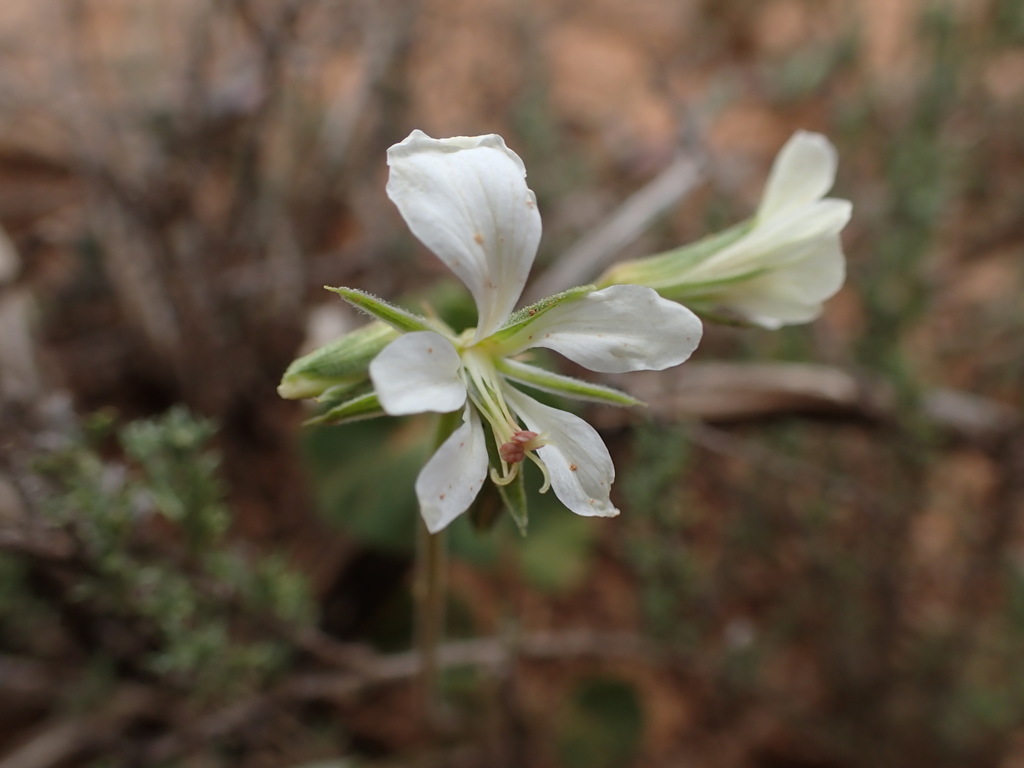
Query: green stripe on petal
pixel 398 318
pixel 362 407
pixel 557 384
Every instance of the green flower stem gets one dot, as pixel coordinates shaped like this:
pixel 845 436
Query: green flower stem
pixel 429 594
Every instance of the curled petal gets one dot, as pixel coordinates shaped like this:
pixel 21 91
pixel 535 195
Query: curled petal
pixel 618 329
pixel 418 372
pixel 794 292
pixel 776 242
pixel 803 171
pixel 576 457
pixel 824 217
pixel 466 199
pixel 449 482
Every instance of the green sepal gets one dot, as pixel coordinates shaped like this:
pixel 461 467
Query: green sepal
pixel 666 272
pixel 365 406
pixel 557 384
pixel 514 496
pixel 400 319
pixel 526 316
pixel 340 392
pixel 694 292
pixel 337 367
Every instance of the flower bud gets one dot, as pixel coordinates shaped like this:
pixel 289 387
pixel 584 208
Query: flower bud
pixel 337 367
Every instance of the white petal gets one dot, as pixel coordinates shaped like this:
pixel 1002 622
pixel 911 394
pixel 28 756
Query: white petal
pixel 418 372
pixel 803 171
pixel 466 199
pixel 777 241
pixel 577 459
pixel 449 482
pixel 793 293
pixel 618 329
pixel 823 217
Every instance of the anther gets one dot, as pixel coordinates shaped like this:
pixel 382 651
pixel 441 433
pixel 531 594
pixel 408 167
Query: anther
pixel 514 451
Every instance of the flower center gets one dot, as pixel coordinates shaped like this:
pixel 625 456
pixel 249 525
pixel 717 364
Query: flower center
pixel 514 451
pixel 485 389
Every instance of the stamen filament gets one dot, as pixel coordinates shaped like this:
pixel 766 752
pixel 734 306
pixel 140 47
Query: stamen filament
pixel 543 470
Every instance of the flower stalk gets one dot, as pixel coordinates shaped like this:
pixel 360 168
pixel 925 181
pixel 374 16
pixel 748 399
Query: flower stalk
pixel 429 588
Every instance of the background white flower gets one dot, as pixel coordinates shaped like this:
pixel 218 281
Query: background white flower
pixel 776 269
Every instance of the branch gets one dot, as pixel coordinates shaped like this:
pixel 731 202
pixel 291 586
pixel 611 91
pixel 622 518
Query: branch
pixel 496 654
pixel 66 738
pixel 734 392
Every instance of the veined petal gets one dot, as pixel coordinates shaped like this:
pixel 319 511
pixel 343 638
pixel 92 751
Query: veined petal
pixel 803 171
pixel 466 199
pixel 617 329
pixel 418 372
pixel 822 217
pixel 576 457
pixel 449 482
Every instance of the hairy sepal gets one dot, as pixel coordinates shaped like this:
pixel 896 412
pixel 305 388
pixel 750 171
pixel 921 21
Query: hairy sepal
pixel 338 366
pixel 526 316
pixel 361 407
pixel 401 320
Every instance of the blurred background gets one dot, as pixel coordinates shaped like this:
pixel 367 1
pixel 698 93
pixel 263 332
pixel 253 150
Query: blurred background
pixel 820 560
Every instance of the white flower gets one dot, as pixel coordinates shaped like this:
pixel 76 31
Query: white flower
pixel 466 199
pixel 775 269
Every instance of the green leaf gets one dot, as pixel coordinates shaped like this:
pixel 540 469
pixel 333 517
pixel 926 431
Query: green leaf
pixel 557 384
pixel 337 367
pixel 400 319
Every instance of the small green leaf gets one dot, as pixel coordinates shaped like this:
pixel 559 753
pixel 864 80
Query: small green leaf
pixel 398 318
pixel 557 384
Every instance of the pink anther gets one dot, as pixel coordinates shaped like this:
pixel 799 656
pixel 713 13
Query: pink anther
pixel 514 451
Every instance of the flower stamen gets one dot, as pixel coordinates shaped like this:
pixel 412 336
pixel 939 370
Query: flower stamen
pixel 514 451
